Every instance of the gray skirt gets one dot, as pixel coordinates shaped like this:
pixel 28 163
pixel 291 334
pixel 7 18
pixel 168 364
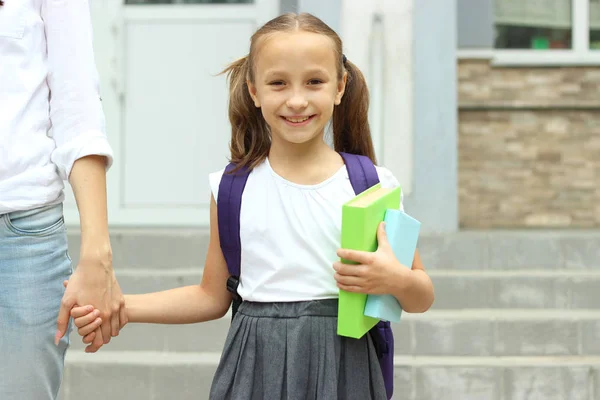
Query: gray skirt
pixel 291 351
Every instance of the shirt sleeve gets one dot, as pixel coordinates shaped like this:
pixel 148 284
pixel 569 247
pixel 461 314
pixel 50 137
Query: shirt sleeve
pixel 388 180
pixel 78 126
pixel 215 180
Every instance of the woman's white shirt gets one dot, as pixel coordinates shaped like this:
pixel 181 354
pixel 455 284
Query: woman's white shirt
pixel 50 107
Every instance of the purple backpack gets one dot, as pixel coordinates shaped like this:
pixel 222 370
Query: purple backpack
pixel 362 175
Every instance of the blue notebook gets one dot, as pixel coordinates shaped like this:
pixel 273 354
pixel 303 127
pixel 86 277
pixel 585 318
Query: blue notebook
pixel 403 232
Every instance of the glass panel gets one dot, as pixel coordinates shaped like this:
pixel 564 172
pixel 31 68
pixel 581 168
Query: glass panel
pixel 188 1
pixel 533 24
pixel 595 24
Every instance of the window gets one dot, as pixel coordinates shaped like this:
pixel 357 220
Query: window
pixel 595 24
pixel 530 32
pixel 533 24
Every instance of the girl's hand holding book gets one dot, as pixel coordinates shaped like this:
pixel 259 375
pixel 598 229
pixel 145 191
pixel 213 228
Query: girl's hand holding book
pixel 376 272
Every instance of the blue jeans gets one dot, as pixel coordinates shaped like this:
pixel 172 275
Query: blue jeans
pixel 33 265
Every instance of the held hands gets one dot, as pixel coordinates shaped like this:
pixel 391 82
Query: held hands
pixel 97 286
pixel 87 320
pixel 377 272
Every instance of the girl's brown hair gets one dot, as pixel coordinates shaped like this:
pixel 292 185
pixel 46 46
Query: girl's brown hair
pixel 250 135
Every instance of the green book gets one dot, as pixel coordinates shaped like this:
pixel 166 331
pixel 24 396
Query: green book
pixel 360 219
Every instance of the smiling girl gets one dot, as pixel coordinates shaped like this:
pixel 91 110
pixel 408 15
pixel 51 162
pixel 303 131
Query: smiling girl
pixel 282 343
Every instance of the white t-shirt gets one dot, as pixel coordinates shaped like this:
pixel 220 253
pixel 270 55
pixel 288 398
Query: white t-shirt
pixel 290 234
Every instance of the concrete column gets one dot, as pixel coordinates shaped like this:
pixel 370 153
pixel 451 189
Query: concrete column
pixel 434 199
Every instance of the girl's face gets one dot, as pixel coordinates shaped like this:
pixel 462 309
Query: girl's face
pixel 296 85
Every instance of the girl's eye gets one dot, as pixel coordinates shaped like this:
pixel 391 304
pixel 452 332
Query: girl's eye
pixel 276 83
pixel 315 82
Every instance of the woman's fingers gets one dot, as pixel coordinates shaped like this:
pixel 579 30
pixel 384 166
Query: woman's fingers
pixel 89 338
pixel 114 324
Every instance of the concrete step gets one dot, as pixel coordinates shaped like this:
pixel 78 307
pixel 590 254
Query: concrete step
pixel 481 333
pixel 455 289
pixel 529 288
pixel 479 250
pixel 154 376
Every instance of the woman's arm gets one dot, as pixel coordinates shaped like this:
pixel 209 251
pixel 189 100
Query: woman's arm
pixel 207 301
pixel 94 281
pixel 82 156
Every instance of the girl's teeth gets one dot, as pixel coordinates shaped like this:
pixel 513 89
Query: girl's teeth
pixel 297 120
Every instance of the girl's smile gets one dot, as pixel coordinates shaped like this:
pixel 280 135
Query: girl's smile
pixel 298 121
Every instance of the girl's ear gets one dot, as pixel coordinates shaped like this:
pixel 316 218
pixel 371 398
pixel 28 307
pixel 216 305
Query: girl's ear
pixel 341 88
pixel 252 91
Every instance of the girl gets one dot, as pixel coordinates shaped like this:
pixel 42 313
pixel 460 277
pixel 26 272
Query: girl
pixel 282 344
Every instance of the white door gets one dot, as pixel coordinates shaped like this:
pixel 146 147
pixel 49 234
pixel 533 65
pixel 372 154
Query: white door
pixel 165 105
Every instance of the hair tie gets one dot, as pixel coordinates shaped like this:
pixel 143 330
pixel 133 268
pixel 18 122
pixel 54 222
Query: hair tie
pixel 344 59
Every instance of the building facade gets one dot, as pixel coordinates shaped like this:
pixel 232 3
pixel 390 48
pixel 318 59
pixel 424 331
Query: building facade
pixel 529 126
pixel 486 110
pixel 166 105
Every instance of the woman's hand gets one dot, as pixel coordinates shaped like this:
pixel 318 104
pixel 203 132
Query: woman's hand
pixel 87 319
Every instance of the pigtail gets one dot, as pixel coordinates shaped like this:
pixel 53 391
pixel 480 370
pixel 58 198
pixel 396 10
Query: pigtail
pixel 250 138
pixel 351 132
pixel 1 3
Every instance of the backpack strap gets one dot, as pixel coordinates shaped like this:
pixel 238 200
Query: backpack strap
pixel 363 175
pixel 361 171
pixel 231 189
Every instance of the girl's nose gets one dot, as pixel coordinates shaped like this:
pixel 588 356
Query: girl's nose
pixel 297 100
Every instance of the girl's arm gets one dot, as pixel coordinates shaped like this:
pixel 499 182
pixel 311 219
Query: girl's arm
pixel 413 288
pixel 207 301
pixel 380 272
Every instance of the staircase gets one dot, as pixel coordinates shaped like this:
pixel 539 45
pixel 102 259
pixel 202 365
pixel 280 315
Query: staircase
pixel 516 317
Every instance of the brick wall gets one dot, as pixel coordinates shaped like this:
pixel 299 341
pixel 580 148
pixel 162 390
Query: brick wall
pixel 529 146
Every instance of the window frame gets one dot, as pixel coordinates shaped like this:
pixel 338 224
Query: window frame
pixel 579 55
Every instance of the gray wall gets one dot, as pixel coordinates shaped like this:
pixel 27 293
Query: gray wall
pixel 286 6
pixel 475 24
pixel 434 200
pixel 328 11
